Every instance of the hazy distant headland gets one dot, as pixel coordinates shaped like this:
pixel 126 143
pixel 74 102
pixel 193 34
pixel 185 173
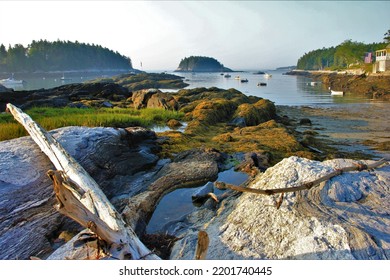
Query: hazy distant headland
pixel 201 64
pixel 45 56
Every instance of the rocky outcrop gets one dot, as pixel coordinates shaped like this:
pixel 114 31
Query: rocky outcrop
pixel 154 98
pixel 65 95
pixel 376 86
pixel 116 91
pixel 254 114
pixel 29 225
pixel 134 82
pixel 346 217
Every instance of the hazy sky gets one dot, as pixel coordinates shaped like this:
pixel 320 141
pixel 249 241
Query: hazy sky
pixel 241 35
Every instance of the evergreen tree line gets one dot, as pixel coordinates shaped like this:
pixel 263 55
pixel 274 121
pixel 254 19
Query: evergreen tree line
pixel 345 55
pixel 60 56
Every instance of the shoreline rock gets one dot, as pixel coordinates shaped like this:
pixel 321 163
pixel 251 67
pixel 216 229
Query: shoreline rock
pixel 376 86
pixel 327 222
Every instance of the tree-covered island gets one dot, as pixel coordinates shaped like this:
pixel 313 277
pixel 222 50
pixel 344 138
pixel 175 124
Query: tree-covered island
pixel 45 56
pixel 201 64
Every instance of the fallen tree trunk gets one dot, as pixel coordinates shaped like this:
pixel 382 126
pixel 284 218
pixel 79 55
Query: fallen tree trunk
pixel 80 197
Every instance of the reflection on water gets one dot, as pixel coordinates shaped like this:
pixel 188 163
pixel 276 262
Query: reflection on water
pixel 178 203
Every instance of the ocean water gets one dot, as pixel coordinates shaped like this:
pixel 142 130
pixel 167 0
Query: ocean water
pixel 34 81
pixel 281 89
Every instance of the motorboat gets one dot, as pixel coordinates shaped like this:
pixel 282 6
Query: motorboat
pixel 11 82
pixel 261 84
pixel 337 93
pixel 237 78
pixel 267 75
pixel 244 80
pixel 227 76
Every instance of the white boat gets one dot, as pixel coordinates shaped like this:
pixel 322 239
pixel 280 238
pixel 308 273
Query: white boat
pixel 63 78
pixel 11 82
pixel 237 78
pixel 266 75
pixel 335 92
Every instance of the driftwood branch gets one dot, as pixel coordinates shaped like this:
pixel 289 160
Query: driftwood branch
pixel 80 197
pixel 305 186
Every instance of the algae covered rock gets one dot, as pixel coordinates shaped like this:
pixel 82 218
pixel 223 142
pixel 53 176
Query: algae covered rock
pixel 257 113
pixel 153 98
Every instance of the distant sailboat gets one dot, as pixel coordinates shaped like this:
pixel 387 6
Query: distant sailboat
pixel 63 78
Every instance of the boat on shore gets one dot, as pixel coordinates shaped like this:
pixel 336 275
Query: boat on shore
pixel 336 93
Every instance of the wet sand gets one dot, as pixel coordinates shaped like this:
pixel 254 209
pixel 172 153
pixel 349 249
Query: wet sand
pixel 354 128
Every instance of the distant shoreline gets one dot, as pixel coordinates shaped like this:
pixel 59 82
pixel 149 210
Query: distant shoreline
pixel 372 85
pixel 72 71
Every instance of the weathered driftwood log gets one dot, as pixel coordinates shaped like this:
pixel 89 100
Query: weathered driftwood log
pixel 87 203
pixel 305 186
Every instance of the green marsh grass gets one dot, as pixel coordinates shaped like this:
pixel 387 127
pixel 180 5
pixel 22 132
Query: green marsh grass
pixel 51 118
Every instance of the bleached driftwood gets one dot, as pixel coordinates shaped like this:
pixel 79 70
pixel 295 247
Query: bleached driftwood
pixel 81 198
pixel 305 186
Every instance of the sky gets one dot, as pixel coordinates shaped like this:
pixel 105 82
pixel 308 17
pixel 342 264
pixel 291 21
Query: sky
pixel 239 34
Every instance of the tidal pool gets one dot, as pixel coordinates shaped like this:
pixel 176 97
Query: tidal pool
pixel 178 203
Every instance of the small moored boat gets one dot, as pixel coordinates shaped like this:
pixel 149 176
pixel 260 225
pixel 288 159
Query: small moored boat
pixel 63 78
pixel 261 84
pixel 266 75
pixel 335 92
pixel 227 76
pixel 11 82
pixel 244 80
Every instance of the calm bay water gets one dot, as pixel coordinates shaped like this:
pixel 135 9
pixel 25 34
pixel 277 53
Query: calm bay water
pixel 36 81
pixel 281 89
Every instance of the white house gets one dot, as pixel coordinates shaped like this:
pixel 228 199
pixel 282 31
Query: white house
pixel 382 62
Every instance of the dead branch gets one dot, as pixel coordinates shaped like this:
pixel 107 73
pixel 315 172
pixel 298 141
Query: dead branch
pixel 81 198
pixel 305 186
